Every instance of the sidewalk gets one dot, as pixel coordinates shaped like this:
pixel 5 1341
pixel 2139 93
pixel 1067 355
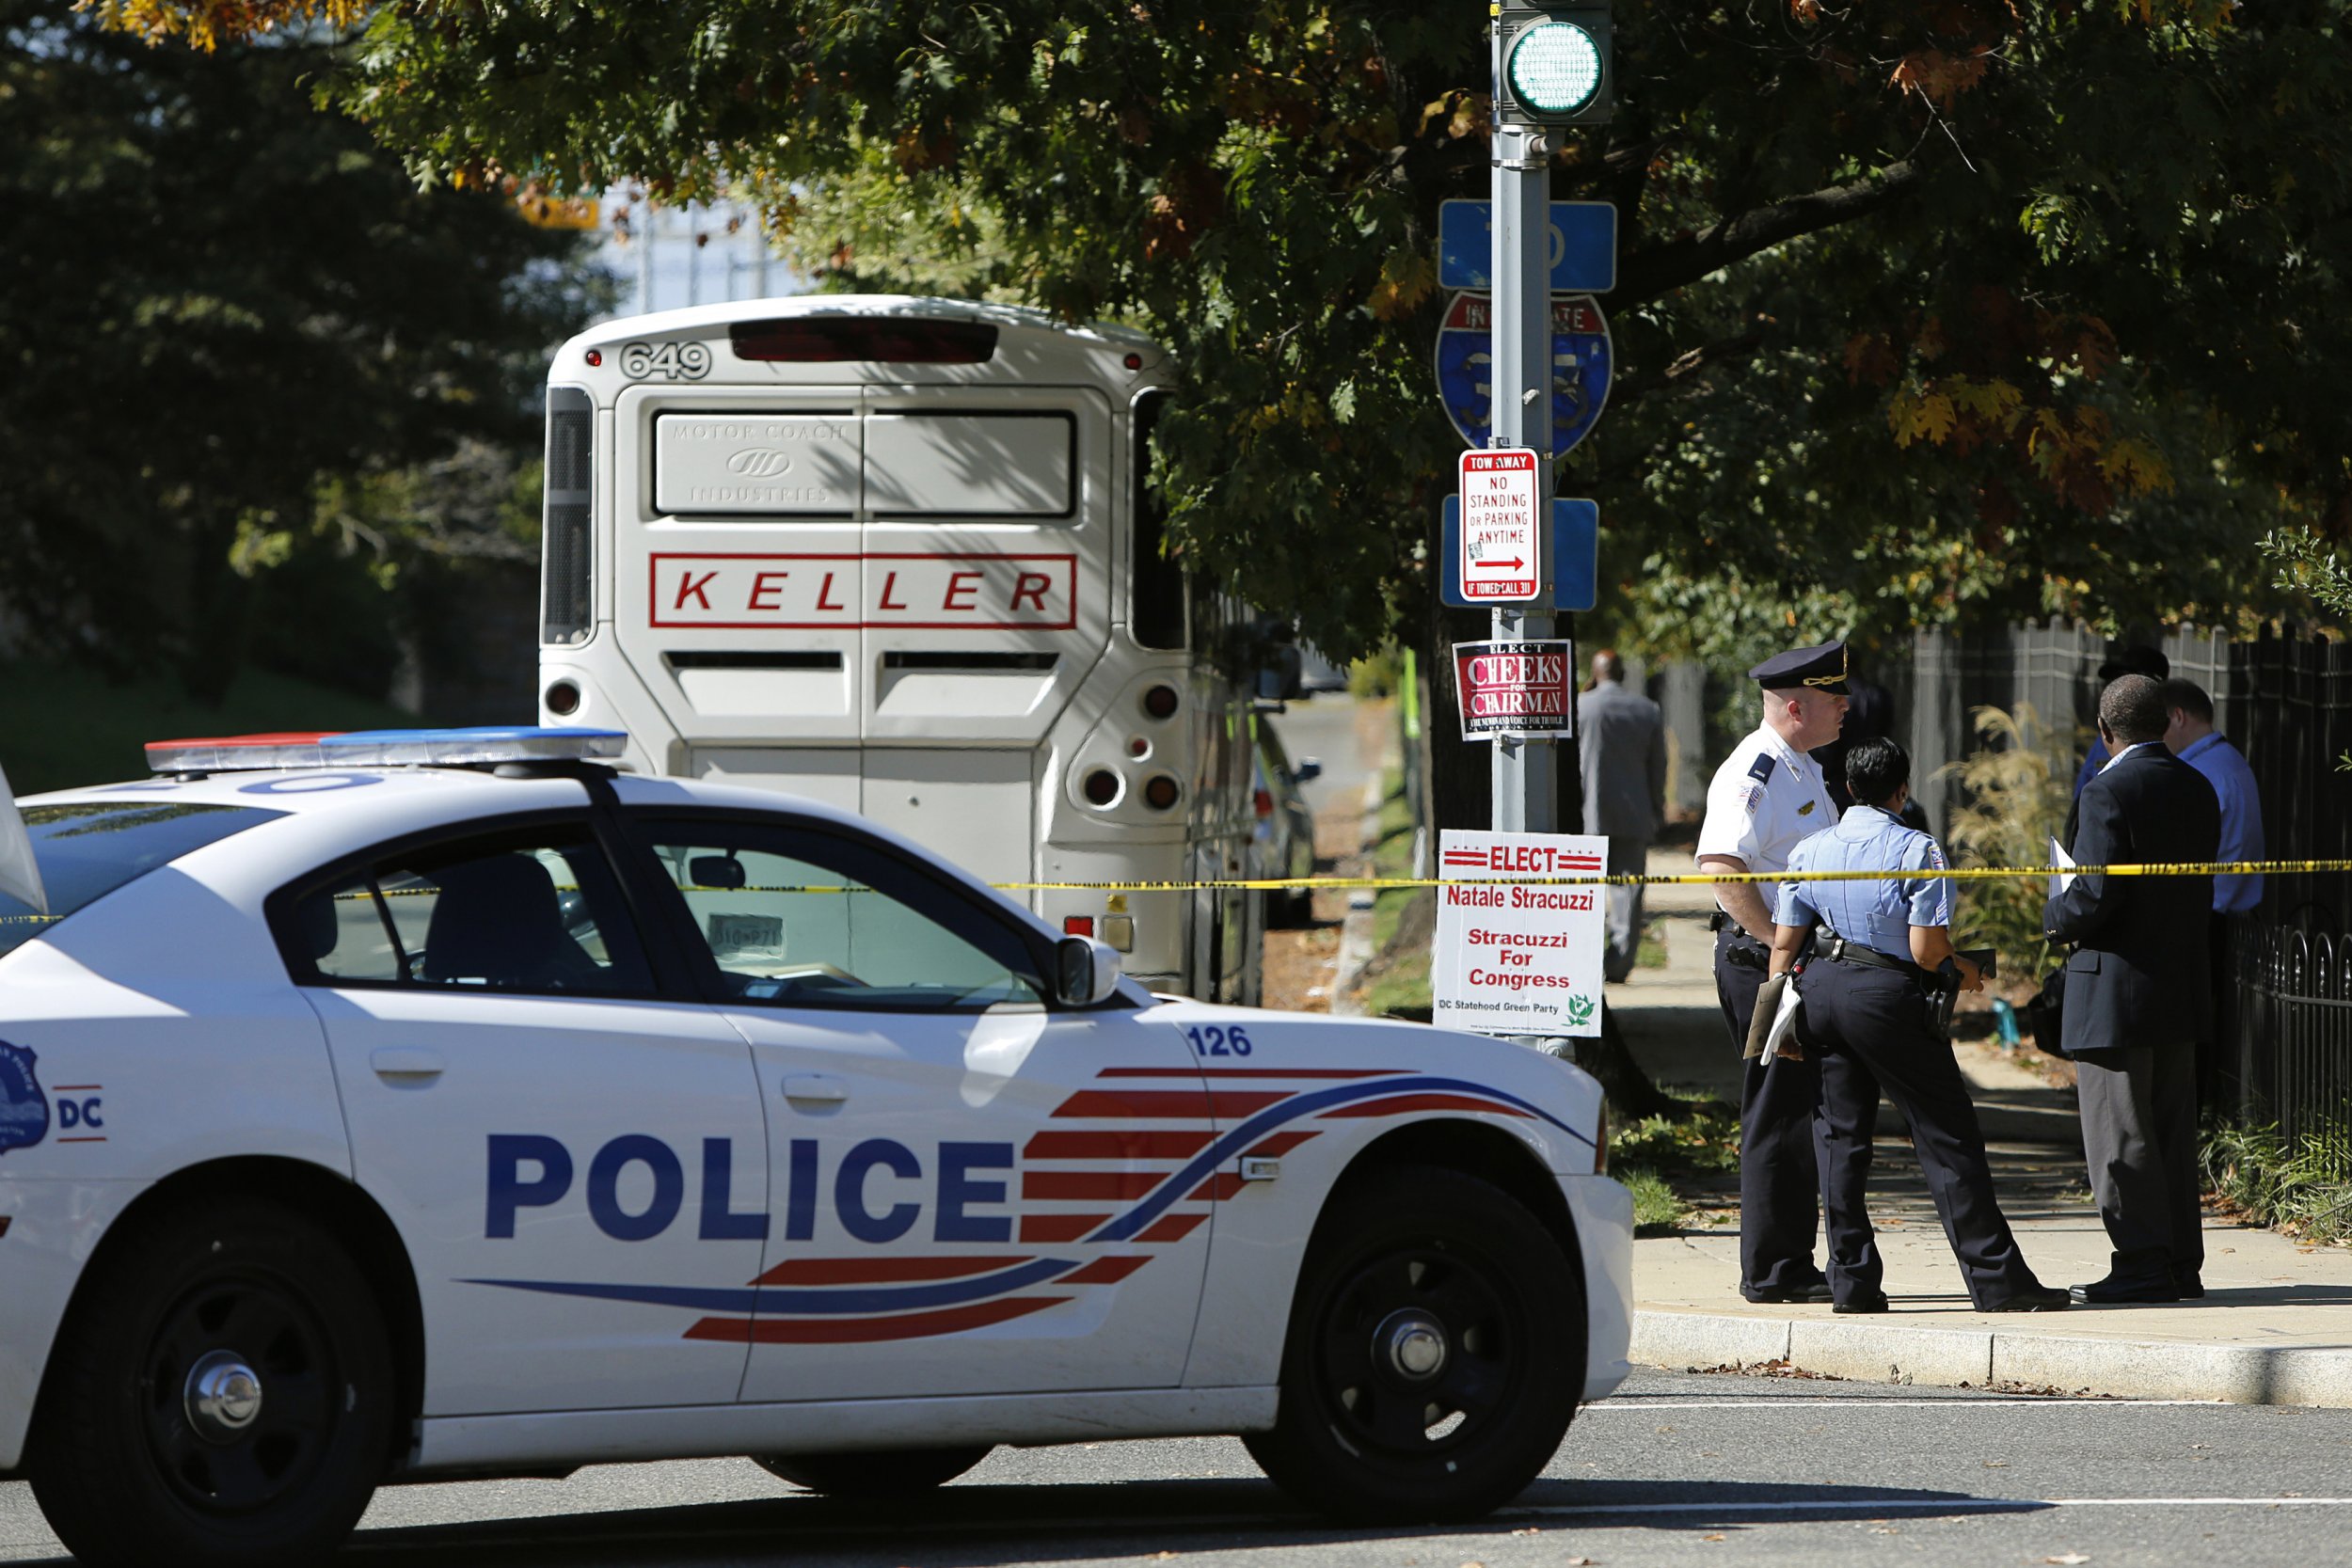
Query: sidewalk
pixel 2275 1326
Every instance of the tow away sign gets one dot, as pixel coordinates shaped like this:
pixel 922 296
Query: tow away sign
pixel 1522 687
pixel 1501 558
pixel 1512 958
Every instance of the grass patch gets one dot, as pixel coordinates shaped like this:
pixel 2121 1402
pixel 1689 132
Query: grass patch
pixel 1651 954
pixel 1658 1208
pixel 1396 982
pixel 1666 1160
pixel 2301 1190
pixel 62 727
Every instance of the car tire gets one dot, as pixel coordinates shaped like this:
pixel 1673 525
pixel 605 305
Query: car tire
pixel 1436 1352
pixel 879 1473
pixel 222 1393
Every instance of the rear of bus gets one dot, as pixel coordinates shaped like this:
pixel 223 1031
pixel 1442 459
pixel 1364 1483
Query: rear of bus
pixel 895 554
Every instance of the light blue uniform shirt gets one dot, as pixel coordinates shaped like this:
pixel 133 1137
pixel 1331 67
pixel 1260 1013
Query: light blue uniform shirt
pixel 2224 768
pixel 1875 913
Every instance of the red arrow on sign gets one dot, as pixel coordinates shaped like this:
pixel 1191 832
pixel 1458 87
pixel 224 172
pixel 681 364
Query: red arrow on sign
pixel 1514 563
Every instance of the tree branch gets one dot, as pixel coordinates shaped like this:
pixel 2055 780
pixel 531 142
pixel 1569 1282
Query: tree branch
pixel 1657 270
pixel 1685 365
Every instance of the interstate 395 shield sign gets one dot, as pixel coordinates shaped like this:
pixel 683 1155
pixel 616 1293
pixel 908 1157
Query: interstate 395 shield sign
pixel 1516 957
pixel 1580 368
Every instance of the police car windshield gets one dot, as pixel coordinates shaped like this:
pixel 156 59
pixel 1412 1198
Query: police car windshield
pixel 87 849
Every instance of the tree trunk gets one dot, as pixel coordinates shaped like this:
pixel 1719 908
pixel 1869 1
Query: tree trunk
pixel 1632 1094
pixel 1461 795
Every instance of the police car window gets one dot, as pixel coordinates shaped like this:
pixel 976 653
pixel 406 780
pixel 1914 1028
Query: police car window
pixel 87 849
pixel 796 919
pixel 535 914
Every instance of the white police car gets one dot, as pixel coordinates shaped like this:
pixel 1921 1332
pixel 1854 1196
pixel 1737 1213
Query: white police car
pixel 426 1105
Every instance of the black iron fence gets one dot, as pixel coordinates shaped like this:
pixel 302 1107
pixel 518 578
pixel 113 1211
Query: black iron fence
pixel 2286 701
pixel 2287 1017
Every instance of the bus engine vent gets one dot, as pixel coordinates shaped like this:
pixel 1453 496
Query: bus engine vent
pixel 568 609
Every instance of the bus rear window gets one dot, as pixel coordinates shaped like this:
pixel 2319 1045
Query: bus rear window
pixel 830 339
pixel 87 849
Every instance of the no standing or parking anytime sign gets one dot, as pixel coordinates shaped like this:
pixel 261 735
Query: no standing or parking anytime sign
pixel 1513 959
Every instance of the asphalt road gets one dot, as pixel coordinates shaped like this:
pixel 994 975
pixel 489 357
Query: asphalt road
pixel 1675 1469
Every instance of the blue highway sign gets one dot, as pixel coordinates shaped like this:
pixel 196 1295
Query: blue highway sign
pixel 1583 247
pixel 1575 555
pixel 1581 366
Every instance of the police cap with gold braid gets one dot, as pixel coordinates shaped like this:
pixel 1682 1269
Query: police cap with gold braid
pixel 1822 668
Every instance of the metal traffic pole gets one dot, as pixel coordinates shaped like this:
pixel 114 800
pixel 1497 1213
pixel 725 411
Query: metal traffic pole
pixel 1526 767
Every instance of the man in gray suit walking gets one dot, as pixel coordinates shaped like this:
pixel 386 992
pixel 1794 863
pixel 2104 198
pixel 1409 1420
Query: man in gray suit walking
pixel 1622 739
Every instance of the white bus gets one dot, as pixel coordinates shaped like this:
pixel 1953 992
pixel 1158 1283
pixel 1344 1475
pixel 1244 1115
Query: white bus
pixel 900 555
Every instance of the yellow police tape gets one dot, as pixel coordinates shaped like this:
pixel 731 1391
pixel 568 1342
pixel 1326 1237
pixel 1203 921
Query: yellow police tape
pixel 1685 878
pixel 1704 878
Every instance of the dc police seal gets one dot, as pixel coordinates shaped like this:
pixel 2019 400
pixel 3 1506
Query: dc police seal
pixel 24 1109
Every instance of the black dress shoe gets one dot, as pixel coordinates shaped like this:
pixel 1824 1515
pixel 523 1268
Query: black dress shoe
pixel 2113 1291
pixel 2033 1298
pixel 1860 1305
pixel 1817 1291
pixel 2189 1283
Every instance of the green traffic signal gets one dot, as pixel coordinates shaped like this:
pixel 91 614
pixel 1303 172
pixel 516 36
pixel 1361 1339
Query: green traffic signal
pixel 1555 65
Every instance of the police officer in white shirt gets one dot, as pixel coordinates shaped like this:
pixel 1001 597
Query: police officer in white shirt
pixel 1767 795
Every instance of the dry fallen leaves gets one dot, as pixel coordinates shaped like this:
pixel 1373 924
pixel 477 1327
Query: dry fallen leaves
pixel 2067 1559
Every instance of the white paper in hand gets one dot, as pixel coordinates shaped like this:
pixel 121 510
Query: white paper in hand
pixel 2060 880
pixel 20 874
pixel 1784 1020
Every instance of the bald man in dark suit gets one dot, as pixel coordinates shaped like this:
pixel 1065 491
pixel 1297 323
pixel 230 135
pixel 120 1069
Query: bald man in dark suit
pixel 2139 994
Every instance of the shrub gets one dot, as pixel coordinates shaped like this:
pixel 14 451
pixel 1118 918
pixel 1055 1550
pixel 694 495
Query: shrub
pixel 2015 790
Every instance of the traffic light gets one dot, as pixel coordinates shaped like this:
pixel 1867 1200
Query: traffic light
pixel 1556 68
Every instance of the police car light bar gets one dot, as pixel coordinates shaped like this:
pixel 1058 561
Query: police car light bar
pixel 423 748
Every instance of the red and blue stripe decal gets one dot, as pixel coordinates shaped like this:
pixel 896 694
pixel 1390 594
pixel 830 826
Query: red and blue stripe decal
pixel 866 1300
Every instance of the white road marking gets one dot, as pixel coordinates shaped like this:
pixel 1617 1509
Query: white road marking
pixel 1899 1505
pixel 1811 1401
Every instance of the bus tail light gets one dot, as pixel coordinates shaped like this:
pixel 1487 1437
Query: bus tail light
pixel 568 608
pixel 1077 925
pixel 1263 800
pixel 1100 787
pixel 562 699
pixel 1161 792
pixel 1160 702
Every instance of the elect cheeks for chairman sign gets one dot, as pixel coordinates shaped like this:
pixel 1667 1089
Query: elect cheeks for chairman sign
pixel 1514 687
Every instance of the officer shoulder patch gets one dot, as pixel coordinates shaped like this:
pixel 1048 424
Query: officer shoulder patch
pixel 24 1109
pixel 1761 771
pixel 1751 796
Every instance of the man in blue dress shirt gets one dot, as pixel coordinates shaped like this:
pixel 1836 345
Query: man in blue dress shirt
pixel 2189 735
pixel 1864 1013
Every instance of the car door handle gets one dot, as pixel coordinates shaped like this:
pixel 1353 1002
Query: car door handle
pixel 814 1086
pixel 404 1061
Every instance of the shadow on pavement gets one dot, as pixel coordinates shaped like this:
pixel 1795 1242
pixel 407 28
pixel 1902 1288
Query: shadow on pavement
pixel 965 1527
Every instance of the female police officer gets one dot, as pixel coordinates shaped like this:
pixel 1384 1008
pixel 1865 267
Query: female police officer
pixel 1866 1015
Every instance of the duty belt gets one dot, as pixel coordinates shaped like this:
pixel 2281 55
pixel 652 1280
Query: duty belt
pixel 1842 951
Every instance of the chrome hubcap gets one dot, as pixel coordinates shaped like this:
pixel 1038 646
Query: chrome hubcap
pixel 1412 1343
pixel 224 1396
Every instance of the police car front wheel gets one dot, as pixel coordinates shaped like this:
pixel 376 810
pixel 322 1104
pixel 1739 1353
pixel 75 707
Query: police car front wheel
pixel 1436 1352
pixel 895 1473
pixel 222 1394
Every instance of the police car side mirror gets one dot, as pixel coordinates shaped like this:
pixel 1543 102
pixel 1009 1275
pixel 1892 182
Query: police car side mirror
pixel 1087 971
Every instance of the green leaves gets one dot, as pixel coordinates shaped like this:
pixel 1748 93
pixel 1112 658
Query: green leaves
pixel 1927 308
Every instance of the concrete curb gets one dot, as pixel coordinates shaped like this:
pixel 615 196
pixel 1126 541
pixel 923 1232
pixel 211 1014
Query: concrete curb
pixel 1878 1352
